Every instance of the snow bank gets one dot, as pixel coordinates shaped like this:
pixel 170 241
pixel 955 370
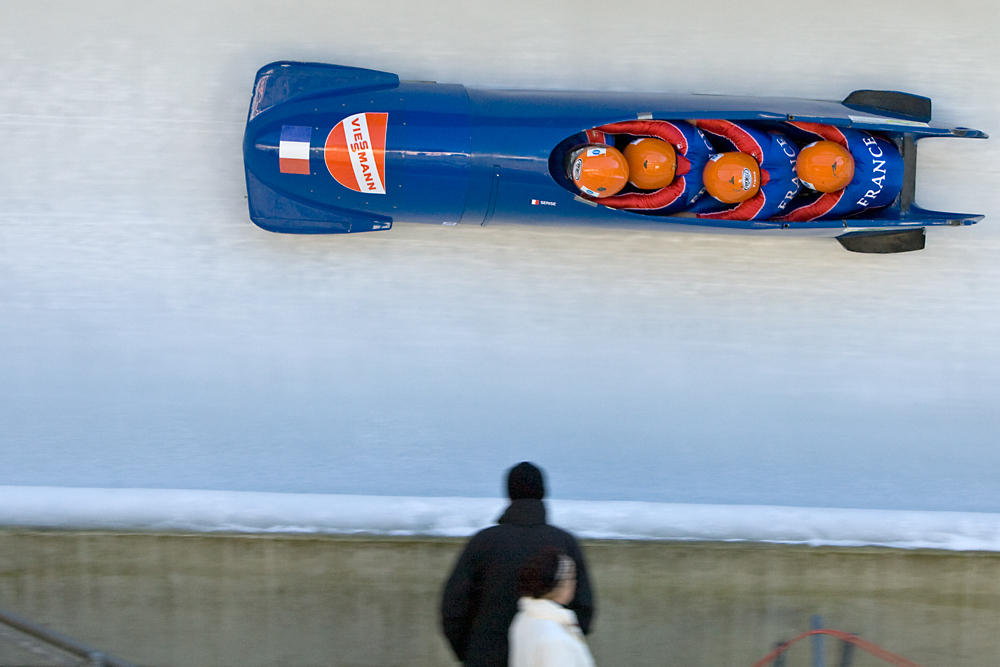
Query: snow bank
pixel 208 511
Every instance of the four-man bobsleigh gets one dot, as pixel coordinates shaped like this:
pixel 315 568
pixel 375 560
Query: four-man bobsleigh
pixel 331 149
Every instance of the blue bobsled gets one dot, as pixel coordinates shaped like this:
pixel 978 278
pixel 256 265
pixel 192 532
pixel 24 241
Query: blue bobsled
pixel 331 149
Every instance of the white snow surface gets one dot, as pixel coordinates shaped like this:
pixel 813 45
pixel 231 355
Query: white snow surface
pixel 256 512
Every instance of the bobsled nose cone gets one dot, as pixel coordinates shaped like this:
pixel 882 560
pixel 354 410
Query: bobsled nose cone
pixel 260 153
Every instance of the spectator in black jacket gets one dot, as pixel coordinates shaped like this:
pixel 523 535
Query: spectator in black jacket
pixel 480 598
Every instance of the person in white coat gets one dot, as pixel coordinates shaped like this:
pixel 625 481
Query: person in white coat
pixel 544 633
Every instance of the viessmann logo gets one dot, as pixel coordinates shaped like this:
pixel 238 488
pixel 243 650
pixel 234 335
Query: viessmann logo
pixel 355 152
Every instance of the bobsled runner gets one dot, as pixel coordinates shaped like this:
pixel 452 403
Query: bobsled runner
pixel 332 149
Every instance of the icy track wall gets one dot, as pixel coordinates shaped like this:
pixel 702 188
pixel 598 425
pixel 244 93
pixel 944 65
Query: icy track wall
pixel 151 336
pixel 53 508
pixel 174 600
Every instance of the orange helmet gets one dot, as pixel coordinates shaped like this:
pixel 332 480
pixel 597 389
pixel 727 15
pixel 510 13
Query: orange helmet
pixel 599 171
pixel 732 177
pixel 651 163
pixel 825 166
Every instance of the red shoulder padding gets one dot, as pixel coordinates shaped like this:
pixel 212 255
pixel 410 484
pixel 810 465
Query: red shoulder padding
pixel 683 166
pixel 820 207
pixel 646 200
pixel 826 132
pixel 744 211
pixel 596 137
pixel 660 129
pixel 743 140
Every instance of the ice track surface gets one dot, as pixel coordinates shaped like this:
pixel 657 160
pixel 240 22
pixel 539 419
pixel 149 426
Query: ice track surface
pixel 151 336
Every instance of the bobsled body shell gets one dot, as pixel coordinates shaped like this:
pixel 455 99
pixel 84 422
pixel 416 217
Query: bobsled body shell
pixel 426 155
pixel 484 156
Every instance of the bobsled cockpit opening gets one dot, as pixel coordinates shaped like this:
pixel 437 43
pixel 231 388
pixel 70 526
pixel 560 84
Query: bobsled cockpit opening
pixel 781 196
pixel 558 162
pixel 664 164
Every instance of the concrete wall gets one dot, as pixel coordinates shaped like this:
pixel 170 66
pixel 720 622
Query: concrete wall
pixel 223 600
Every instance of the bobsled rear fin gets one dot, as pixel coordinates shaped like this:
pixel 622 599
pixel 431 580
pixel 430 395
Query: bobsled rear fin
pixel 275 212
pixel 884 241
pixel 891 102
pixel 283 81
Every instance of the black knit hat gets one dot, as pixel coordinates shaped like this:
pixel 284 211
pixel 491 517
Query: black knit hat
pixel 525 481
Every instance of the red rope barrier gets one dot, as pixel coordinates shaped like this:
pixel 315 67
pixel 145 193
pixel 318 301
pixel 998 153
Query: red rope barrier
pixel 874 649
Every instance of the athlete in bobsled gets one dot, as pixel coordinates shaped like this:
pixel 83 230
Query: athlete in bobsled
pixel 661 164
pixel 847 171
pixel 753 179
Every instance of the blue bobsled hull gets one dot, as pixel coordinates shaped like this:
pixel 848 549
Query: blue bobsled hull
pixel 331 149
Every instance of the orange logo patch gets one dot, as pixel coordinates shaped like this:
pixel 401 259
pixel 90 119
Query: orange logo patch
pixel 355 152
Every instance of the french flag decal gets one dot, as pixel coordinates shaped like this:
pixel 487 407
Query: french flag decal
pixel 293 149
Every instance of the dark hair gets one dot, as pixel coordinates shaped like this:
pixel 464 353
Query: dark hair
pixel 537 577
pixel 525 481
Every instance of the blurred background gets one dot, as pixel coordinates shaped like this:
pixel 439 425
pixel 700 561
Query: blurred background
pixel 152 336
